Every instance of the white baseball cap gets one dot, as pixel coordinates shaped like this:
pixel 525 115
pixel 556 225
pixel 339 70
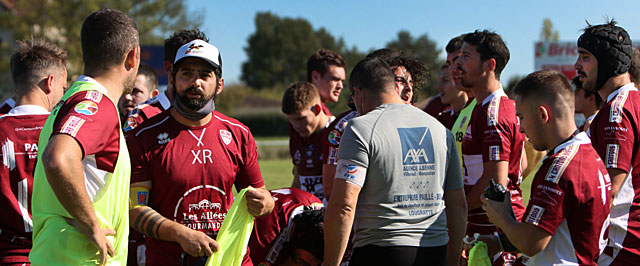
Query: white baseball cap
pixel 200 49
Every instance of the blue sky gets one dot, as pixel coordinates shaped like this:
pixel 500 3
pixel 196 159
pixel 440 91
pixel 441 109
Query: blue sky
pixel 373 23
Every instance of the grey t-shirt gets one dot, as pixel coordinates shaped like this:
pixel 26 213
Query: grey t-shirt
pixel 411 159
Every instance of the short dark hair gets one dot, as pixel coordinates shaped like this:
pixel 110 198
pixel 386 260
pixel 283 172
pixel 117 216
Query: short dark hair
pixel 299 96
pixel 107 36
pixel 372 74
pixel 321 60
pixel 178 39
pixel 35 59
pixel 308 232
pixel 454 44
pixel 489 45
pixel 152 77
pixel 550 87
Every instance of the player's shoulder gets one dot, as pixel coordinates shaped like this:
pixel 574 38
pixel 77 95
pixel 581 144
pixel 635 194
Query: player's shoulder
pixel 151 125
pixel 231 124
pixel 572 159
pixel 90 104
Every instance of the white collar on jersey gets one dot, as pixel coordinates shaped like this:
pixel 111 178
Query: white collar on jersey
pixel 581 138
pixel 28 109
pixel 627 87
pixel 498 93
pixel 91 80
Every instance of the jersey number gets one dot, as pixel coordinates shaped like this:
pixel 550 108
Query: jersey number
pixel 459 136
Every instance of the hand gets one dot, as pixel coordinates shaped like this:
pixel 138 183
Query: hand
pixel 498 212
pixel 196 243
pixel 259 202
pixel 98 237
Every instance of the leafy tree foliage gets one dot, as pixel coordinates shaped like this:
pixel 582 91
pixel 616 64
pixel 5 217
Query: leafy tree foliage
pixel 60 22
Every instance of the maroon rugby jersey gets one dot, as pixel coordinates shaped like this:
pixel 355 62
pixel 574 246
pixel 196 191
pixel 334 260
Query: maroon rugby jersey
pixel 570 197
pixel 306 155
pixel 447 118
pixel 146 110
pixel 435 106
pixel 270 232
pixel 192 170
pixel 332 140
pixel 615 135
pixel 7 106
pixel 493 135
pixel 19 133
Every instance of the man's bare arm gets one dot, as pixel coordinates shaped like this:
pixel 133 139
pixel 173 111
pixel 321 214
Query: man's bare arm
pixel 617 178
pixel 456 211
pixel 62 163
pixel 328 174
pixel 338 220
pixel 496 170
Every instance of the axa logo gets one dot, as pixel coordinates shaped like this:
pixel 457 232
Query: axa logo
pixel 417 145
pixel 194 47
pixel 415 156
pixel 163 138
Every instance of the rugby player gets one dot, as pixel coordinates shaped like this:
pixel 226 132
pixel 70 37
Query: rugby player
pixel 163 101
pixel 145 87
pixel 456 99
pixel 39 75
pixel 604 56
pixel 81 182
pixel 303 107
pixel 493 145
pixel 400 218
pixel 567 216
pixel 272 233
pixel 186 160
pixel 325 69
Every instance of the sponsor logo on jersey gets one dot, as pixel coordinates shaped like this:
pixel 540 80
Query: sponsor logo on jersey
pixel 334 137
pixel 612 156
pixel 86 108
pixel 225 136
pixel 163 138
pixel 205 204
pixel 492 115
pixel 535 215
pixel 417 151
pixel 494 153
pixel 141 197
pixel 95 96
pixel 201 208
pixel 131 123
pixel 615 115
pixel 561 162
pixel 333 154
pixel 72 125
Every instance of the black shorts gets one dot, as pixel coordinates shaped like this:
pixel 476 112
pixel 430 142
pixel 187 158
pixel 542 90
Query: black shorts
pixel 398 255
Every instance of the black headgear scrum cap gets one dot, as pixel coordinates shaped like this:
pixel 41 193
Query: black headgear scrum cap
pixel 611 45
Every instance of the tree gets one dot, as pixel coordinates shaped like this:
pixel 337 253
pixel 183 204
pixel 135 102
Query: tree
pixel 60 22
pixel 548 33
pixel 425 50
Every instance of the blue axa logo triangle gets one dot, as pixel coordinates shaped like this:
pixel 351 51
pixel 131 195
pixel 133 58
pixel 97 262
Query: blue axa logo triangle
pixel 417 145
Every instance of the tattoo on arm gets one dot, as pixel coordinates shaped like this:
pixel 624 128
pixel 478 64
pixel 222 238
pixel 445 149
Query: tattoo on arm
pixel 148 222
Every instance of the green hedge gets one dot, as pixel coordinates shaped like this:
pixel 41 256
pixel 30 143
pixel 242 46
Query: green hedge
pixel 265 124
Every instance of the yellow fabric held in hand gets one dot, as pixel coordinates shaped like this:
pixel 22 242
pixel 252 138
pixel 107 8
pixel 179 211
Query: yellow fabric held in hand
pixel 234 233
pixel 479 255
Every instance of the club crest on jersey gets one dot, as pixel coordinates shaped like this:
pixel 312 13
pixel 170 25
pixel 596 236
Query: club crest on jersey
pixel 225 136
pixel 163 138
pixel 417 151
pixel 86 108
pixel 297 157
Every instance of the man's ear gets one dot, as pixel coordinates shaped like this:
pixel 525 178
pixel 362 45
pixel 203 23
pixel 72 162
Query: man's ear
pixel 155 93
pixel 132 59
pixel 544 113
pixel 490 65
pixel 315 75
pixel 46 85
pixel 316 109
pixel 220 86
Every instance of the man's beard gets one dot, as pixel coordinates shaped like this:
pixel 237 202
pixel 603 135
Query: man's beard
pixel 195 103
pixel 127 84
